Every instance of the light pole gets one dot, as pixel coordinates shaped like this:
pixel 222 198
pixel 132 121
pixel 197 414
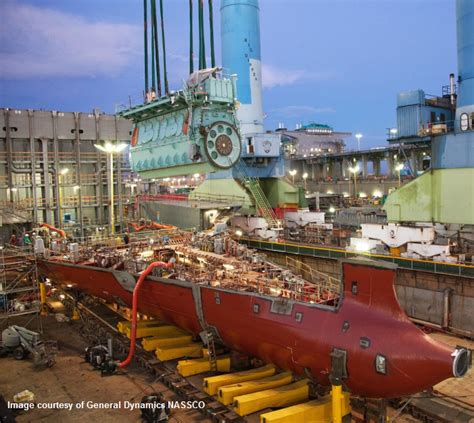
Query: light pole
pixel 293 173
pixel 77 192
pixel 15 196
pixel 399 167
pixel 132 189
pixel 305 176
pixel 354 171
pixel 111 149
pixel 358 137
pixel 63 172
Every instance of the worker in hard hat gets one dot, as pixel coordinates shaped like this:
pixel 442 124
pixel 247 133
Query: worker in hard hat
pixel 27 240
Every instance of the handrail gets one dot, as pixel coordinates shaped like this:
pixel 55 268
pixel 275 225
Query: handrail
pixel 217 198
pixel 318 279
pixel 352 253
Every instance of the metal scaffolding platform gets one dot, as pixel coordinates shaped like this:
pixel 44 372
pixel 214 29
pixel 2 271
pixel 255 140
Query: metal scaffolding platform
pixel 19 286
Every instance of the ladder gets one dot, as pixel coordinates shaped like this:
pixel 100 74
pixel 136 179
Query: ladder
pixel 211 347
pixel 262 205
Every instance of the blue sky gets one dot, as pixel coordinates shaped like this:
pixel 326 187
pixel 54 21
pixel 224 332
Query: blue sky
pixel 339 62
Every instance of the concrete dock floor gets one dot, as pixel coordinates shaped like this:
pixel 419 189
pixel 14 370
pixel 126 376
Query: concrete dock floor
pixel 72 380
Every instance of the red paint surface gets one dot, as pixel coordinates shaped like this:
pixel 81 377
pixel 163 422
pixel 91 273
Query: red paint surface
pixel 280 211
pixel 415 362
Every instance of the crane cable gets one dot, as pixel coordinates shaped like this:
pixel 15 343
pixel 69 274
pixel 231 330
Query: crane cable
pixel 156 47
pixel 165 73
pixel 155 53
pixel 153 50
pixel 191 47
pixel 211 35
pixel 145 39
pixel 202 39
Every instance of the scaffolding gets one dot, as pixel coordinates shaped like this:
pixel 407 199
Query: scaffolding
pixel 19 287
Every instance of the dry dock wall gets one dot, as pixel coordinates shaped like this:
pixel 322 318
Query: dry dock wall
pixel 421 294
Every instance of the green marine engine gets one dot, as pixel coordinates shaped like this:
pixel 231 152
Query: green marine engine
pixel 194 130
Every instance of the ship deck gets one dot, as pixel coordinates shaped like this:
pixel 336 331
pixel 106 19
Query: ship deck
pixel 234 267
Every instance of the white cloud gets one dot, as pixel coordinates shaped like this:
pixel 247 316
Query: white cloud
pixel 274 77
pixel 42 42
pixel 298 111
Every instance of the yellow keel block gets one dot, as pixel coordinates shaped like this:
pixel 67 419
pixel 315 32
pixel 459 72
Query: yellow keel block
pixel 227 393
pixel 277 397
pixel 171 353
pixel 124 324
pixel 319 410
pixel 154 342
pixel 340 403
pixel 212 384
pixel 201 365
pixel 155 331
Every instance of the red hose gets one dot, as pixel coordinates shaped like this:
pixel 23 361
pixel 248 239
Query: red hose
pixel 152 225
pixel 133 334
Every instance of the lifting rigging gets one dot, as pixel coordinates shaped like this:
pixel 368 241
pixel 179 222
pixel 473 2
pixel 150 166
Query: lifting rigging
pixel 151 45
pixel 173 130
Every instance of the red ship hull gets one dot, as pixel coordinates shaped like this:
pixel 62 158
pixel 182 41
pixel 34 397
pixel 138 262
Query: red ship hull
pixel 294 336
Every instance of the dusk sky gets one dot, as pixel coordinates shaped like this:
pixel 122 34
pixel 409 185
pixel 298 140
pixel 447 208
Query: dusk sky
pixel 339 62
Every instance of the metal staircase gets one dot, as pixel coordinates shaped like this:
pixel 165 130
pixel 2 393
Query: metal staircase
pixel 262 205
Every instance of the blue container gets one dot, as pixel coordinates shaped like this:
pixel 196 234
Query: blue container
pixel 410 98
pixel 409 120
pixel 465 44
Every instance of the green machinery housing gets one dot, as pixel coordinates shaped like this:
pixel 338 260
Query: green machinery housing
pixel 189 131
pixel 198 129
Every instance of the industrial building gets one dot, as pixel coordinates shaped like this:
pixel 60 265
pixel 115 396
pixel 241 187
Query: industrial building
pixel 178 261
pixel 313 140
pixel 52 173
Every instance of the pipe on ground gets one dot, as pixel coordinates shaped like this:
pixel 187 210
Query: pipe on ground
pixel 136 291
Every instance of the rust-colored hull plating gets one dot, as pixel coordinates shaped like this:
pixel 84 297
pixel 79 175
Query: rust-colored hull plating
pixel 368 322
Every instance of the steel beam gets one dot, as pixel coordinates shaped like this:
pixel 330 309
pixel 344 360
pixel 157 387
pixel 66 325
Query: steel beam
pixel 9 153
pixel 56 168
pixel 99 191
pixel 47 185
pixel 33 165
pixel 77 142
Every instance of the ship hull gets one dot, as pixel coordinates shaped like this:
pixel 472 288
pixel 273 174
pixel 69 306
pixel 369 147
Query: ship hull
pixel 294 336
